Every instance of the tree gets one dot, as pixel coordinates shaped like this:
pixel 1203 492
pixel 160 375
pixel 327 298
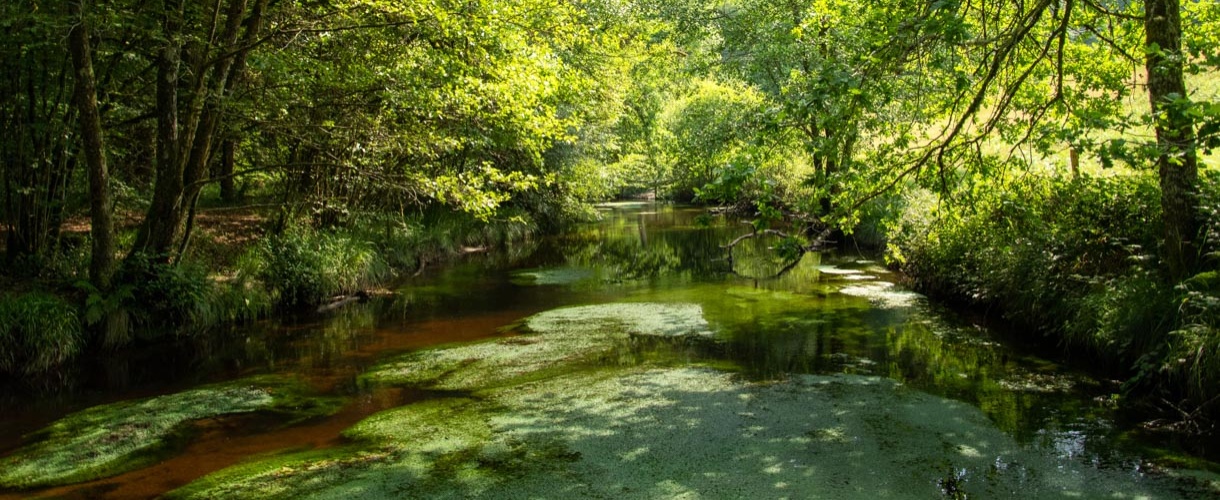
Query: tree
pixel 37 129
pixel 839 71
pixel 101 266
pixel 1177 163
pixel 214 57
pixel 1031 49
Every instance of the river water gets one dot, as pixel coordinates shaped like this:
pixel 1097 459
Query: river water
pixel 831 313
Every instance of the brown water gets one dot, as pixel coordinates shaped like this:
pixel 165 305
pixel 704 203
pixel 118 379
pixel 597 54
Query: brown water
pixel 800 322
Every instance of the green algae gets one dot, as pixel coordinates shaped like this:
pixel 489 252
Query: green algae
pixel 646 319
pixel 424 422
pixel 556 340
pixel 552 276
pixel 294 475
pixel 118 437
pixel 419 450
pixel 411 444
pixel 685 433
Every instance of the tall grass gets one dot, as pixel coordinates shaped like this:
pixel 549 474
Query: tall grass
pixel 38 333
pixel 304 266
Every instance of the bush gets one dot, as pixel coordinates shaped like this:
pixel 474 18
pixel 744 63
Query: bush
pixel 1193 357
pixel 38 333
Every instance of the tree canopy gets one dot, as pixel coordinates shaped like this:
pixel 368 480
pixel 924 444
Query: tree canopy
pixel 809 111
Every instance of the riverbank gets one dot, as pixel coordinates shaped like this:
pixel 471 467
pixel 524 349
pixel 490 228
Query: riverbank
pixel 1077 263
pixel 243 265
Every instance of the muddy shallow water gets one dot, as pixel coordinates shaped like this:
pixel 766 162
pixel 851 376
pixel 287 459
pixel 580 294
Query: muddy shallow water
pixel 806 384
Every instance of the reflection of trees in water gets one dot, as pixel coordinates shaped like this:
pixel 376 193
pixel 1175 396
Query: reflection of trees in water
pixel 772 334
pixel 771 340
pixel 321 343
pixel 770 272
pixel 627 251
pixel 626 260
pixel 948 360
pixel 765 255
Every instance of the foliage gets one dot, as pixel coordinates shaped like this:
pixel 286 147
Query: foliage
pixel 1072 253
pixel 1190 357
pixel 164 295
pixel 1075 259
pixel 39 332
pixel 705 134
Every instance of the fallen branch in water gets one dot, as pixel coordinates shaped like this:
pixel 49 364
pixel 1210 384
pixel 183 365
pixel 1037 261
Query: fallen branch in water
pixel 817 243
pixel 754 234
pixel 343 300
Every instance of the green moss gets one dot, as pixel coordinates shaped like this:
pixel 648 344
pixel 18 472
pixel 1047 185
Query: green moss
pixel 114 438
pixel 559 339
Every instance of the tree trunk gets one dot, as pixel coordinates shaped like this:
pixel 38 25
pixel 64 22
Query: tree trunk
pixel 188 138
pixel 1175 134
pixel 38 142
pixel 101 265
pixel 228 161
pixel 167 190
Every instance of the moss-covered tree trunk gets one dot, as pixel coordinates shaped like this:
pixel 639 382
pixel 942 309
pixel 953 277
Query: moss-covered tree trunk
pixel 1175 135
pixel 101 265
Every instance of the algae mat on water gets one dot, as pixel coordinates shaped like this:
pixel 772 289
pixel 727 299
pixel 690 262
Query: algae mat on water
pixel 537 431
pixel 556 339
pixel 118 437
pixel 684 433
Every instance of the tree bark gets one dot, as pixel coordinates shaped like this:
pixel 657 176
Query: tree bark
pixel 1177 164
pixel 101 265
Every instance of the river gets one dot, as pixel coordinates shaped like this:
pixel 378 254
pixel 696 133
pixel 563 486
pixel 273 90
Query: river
pixel 820 379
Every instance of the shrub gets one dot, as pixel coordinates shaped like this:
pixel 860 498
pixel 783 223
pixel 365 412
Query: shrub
pixel 38 333
pixel 1193 357
pixel 1077 260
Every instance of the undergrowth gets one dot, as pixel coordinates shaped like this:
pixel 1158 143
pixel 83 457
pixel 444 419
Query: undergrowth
pixel 38 332
pixel 1076 260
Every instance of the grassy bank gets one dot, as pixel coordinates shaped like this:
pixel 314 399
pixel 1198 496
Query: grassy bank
pixel 1077 261
pixel 241 267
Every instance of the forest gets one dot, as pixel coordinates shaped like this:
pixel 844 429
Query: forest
pixel 171 167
